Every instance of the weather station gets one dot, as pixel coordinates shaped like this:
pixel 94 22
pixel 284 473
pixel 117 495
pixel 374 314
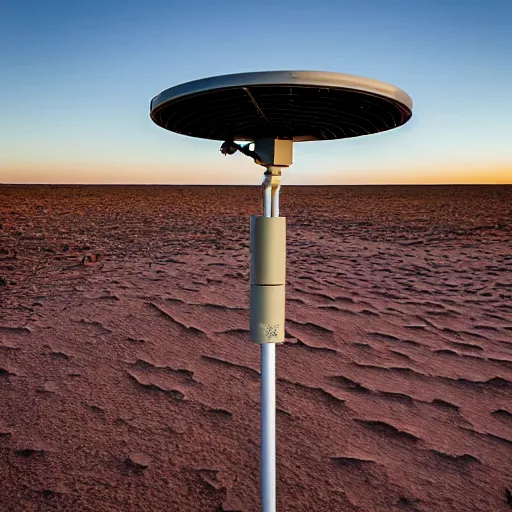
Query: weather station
pixel 271 111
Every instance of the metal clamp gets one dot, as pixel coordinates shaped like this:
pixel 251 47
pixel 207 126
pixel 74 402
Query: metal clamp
pixel 230 148
pixel 271 187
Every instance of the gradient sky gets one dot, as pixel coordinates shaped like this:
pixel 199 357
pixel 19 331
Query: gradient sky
pixel 76 79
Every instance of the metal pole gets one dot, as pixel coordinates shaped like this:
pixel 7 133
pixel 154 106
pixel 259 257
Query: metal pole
pixel 275 201
pixel 268 390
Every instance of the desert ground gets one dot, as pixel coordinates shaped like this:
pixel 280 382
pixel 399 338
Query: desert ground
pixel 128 381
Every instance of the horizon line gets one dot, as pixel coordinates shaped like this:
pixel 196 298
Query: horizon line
pixel 255 185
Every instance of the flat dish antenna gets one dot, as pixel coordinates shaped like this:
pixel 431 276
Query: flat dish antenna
pixel 274 109
pixel 296 105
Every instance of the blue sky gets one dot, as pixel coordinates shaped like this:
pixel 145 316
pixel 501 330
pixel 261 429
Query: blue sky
pixel 77 79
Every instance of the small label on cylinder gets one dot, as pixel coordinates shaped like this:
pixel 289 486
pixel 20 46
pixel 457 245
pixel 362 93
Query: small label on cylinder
pixel 270 331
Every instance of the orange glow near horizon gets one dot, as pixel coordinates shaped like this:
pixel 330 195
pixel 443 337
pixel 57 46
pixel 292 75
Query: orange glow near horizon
pixel 247 174
pixel 478 175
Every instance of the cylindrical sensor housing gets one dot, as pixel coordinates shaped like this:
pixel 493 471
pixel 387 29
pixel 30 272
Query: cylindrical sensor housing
pixel 267 314
pixel 268 279
pixel 268 250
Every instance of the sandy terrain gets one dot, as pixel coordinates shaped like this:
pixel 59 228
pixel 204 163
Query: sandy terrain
pixel 129 383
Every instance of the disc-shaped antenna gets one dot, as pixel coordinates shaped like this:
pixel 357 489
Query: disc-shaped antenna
pixel 294 105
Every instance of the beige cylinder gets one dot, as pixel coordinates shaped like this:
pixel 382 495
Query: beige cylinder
pixel 268 250
pixel 267 314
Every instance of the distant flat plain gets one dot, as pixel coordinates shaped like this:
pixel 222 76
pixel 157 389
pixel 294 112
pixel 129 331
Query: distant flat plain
pixel 128 380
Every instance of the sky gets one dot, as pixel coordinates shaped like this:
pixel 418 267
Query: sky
pixel 76 80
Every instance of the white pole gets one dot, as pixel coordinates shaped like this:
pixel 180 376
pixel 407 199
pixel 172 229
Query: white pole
pixel 268 426
pixel 268 394
pixel 267 205
pixel 275 202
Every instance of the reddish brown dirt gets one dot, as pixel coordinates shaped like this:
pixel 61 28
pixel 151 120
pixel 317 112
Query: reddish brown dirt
pixel 129 383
